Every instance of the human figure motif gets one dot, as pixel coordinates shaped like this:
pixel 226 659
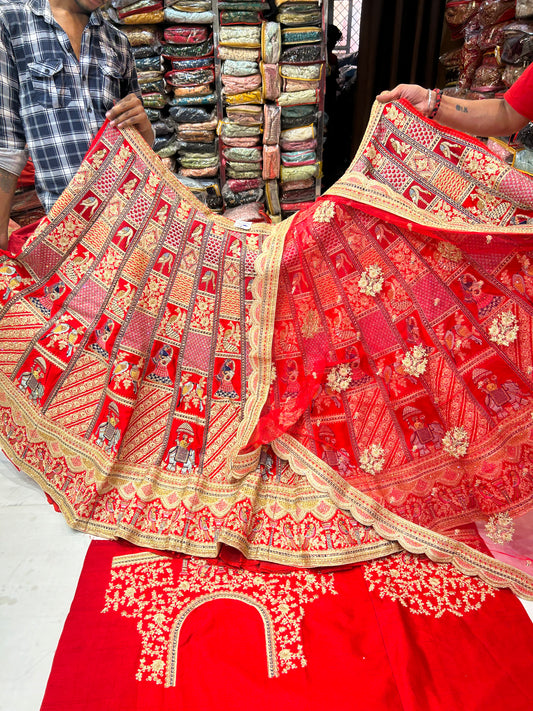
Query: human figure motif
pixel 102 336
pixel 225 377
pixel 29 380
pixel 473 292
pixel 291 378
pixel 108 431
pixel 498 398
pixel 162 359
pixel 329 445
pixel 423 435
pixel 180 453
pixel 52 293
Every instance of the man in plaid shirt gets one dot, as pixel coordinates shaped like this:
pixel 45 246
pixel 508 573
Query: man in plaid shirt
pixel 63 71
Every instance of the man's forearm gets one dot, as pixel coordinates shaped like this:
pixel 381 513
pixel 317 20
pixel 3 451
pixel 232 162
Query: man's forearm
pixel 489 117
pixel 8 185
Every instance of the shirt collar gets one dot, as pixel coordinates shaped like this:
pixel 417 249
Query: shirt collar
pixel 42 7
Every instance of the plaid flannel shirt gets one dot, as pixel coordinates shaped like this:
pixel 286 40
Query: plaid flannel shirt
pixel 51 103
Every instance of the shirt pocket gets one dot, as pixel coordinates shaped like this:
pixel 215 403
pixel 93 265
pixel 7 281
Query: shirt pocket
pixel 48 84
pixel 111 85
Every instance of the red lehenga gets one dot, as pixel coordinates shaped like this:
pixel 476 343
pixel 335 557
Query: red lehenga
pixel 353 382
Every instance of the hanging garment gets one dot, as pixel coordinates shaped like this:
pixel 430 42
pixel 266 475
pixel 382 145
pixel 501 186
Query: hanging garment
pixel 346 384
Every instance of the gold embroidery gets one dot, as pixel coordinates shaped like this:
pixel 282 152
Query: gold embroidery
pixel 143 587
pixel 504 329
pixel 500 528
pixel 371 281
pixel 372 459
pixel 424 587
pixel 455 442
pixel 325 211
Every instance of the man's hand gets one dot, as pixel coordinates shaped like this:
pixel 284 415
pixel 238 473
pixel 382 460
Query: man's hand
pixel 415 95
pixel 129 111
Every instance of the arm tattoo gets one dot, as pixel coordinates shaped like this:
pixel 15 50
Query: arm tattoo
pixel 458 107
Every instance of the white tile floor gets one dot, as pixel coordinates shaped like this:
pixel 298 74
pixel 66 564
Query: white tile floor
pixel 41 559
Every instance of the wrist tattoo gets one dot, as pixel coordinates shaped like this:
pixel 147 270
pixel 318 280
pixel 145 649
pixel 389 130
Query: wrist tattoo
pixel 458 107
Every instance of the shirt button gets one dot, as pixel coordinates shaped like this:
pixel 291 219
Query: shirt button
pixel 90 109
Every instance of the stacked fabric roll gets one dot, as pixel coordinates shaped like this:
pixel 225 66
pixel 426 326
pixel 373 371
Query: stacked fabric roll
pixel 188 48
pixel 301 64
pixel 491 45
pixel 239 52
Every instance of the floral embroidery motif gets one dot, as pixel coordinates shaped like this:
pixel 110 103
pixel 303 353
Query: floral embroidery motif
pixel 371 281
pixel 500 528
pixel 325 211
pixel 372 459
pixel 424 587
pixel 449 251
pixel 504 328
pixel 415 361
pixel 455 442
pixel 340 378
pixel 144 587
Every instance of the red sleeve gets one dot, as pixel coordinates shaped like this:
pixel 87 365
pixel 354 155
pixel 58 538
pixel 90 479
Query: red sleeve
pixel 520 95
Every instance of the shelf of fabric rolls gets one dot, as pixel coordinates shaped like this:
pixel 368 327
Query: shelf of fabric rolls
pixel 235 93
pixel 486 46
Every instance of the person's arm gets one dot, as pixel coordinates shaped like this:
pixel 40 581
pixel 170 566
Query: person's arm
pixel 8 184
pixel 487 117
pixel 13 155
pixel 129 111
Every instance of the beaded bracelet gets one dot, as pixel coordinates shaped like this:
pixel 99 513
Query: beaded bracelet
pixel 438 94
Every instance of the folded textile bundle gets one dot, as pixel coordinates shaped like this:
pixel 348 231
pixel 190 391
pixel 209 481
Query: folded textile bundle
pixel 190 34
pixel 199 172
pixel 309 145
pixel 272 197
pixel 303 14
pixel 239 68
pixel 241 17
pixel 152 62
pixel 295 194
pixel 288 173
pixel 300 35
pixel 239 54
pixel 304 53
pixel 246 115
pixel 242 141
pixel 231 129
pixel 271 81
pixel 270 42
pixel 190 77
pixel 246 97
pixel 240 36
pixel 297 98
pixel 237 186
pixel 143 35
pixel 172 14
pixel 251 212
pixel 240 84
pixel 191 114
pixel 298 157
pixel 199 99
pixel 193 90
pixel 294 85
pixel 242 197
pixel 187 51
pixel 301 71
pixel 272 127
pixel 297 116
pixel 243 155
pixel 271 162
